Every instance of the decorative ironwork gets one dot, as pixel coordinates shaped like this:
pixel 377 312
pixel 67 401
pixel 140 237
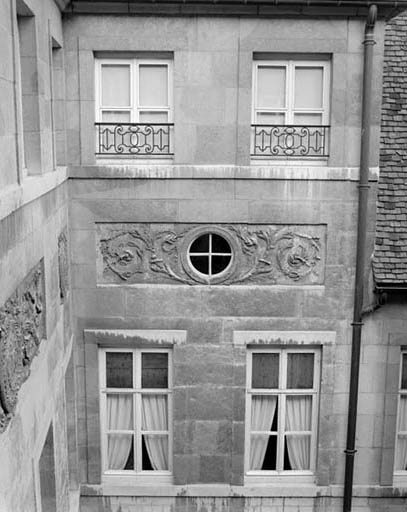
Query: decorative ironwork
pixel 134 139
pixel 294 141
pixel 262 254
pixel 22 326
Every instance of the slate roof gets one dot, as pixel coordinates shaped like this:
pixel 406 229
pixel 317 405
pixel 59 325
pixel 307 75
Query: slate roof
pixel 390 256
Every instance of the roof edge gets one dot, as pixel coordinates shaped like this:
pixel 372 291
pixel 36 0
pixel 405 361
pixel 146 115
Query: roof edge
pixel 386 8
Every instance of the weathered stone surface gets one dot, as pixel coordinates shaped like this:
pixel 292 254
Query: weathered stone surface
pixel 22 321
pixel 261 254
pixel 63 264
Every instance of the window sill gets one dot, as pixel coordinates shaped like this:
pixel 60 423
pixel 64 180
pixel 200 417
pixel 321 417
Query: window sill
pixel 400 479
pixel 133 160
pixel 271 489
pixel 122 481
pixel 306 162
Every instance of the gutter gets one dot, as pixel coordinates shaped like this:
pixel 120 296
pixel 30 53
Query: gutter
pixel 389 8
pixel 357 323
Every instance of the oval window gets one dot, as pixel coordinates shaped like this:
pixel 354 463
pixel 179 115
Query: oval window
pixel 210 254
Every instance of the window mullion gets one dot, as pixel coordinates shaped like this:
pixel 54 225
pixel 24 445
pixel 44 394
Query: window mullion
pixel 290 92
pixel 137 411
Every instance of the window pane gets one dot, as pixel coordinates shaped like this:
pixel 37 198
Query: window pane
pixel 265 370
pixel 155 452
pixel 270 118
pixel 263 452
pixel 219 244
pixel 119 369
pixel 154 370
pixel 403 414
pixel 115 116
pixel 201 263
pixel 308 119
pixel 297 451
pixel 298 413
pixel 153 117
pixel 116 85
pixel 120 451
pixel 264 413
pixel 201 244
pixel 308 87
pixel 153 85
pixel 300 371
pixel 401 454
pixel 120 412
pixel 154 412
pixel 404 372
pixel 220 263
pixel 271 87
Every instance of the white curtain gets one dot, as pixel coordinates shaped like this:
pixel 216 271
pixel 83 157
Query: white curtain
pixel 155 418
pixel 299 415
pixel 401 453
pixel 263 410
pixel 119 417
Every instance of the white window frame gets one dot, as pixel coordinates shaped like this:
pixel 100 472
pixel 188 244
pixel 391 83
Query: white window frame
pixel 400 476
pixel 280 475
pixel 289 110
pixel 134 108
pixel 126 477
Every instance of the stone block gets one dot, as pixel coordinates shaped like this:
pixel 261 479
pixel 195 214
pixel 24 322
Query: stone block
pixel 290 212
pixel 208 402
pixel 98 302
pixel 183 433
pixel 213 468
pixel 83 276
pixel 164 301
pixel 212 211
pixel 83 246
pixel 267 302
pixel 186 469
pixel 215 144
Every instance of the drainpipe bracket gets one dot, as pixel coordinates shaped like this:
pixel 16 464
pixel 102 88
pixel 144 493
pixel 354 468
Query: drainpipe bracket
pixel 350 452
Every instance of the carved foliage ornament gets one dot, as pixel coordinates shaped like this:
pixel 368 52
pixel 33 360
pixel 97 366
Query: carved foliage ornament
pixel 63 265
pixel 22 320
pixel 261 254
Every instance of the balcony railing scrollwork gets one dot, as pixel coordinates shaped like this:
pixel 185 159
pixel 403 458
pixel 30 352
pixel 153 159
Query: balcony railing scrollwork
pixel 134 139
pixel 293 141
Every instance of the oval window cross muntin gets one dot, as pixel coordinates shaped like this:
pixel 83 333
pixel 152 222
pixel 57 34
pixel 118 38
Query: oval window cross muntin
pixel 210 277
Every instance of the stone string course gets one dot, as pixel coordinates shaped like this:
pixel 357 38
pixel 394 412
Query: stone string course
pixel 390 256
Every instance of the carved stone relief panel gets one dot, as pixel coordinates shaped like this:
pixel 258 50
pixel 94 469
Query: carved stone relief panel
pixel 22 326
pixel 63 265
pixel 262 254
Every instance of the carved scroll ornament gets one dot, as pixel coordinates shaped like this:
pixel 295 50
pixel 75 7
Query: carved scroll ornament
pixel 63 265
pixel 21 330
pixel 262 254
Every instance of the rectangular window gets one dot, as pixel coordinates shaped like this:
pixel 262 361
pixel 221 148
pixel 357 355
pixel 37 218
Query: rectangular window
pixel 291 92
pixel 134 107
pixel 290 108
pixel 401 443
pixel 281 407
pixel 136 408
pixel 133 91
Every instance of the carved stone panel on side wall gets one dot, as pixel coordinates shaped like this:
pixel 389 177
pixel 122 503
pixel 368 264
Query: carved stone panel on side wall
pixel 63 265
pixel 259 254
pixel 22 327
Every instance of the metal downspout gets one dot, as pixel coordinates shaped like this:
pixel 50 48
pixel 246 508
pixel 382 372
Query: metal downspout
pixel 350 451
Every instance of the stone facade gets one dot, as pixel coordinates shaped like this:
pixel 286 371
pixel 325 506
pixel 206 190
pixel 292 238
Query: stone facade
pixel 113 243
pixel 35 328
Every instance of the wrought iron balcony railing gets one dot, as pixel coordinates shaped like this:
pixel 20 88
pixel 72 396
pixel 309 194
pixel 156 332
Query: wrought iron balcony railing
pixel 143 139
pixel 294 141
